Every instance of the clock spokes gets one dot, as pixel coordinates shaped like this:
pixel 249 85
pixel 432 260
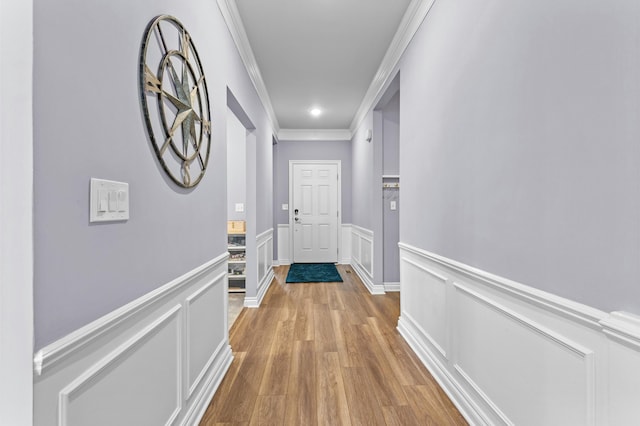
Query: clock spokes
pixel 182 110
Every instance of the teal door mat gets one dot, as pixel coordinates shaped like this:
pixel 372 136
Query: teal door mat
pixel 313 273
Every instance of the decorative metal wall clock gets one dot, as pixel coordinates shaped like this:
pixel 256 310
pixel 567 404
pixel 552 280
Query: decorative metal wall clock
pixel 175 100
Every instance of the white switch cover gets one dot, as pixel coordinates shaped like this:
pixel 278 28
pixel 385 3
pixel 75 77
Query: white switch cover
pixel 285 207
pixel 239 207
pixel 392 205
pixel 109 201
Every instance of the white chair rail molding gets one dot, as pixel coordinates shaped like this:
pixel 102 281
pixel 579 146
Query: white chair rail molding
pixel 510 354
pixel 157 360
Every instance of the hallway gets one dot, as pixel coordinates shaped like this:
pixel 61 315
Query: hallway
pixel 326 354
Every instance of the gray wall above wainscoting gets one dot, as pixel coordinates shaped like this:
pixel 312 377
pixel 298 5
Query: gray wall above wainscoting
pixel 311 150
pixel 520 150
pixel 88 123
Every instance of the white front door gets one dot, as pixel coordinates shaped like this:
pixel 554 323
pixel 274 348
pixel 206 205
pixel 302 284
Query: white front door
pixel 315 209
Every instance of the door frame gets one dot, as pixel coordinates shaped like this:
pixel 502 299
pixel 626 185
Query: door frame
pixel 16 213
pixel 338 163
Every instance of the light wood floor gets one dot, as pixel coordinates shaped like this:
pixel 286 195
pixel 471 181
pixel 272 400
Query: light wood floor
pixel 325 354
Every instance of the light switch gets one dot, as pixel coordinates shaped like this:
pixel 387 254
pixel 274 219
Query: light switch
pixel 122 201
pixel 239 207
pixel 108 201
pixel 285 207
pixel 392 205
pixel 103 205
pixel 113 201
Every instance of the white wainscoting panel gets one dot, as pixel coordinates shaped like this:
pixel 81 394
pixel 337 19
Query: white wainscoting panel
pixel 510 354
pixel 152 374
pixel 264 242
pixel 157 360
pixel 623 331
pixel 345 250
pixel 202 309
pixel 427 304
pixel 284 252
pixel 362 257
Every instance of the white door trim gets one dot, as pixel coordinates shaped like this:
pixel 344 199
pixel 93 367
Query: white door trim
pixel 338 163
pixel 16 212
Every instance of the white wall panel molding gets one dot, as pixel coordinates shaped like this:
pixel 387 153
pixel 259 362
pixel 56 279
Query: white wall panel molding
pixel 93 378
pixel 254 302
pixel 199 309
pixel 71 343
pixel 623 330
pixel 421 335
pixel 232 18
pixel 427 303
pixel 531 325
pixel 284 253
pixel 411 21
pixel 509 354
pixel 265 268
pixel 413 334
pixel 157 360
pixel 345 249
pixel 362 257
pixel 623 327
pixel 572 362
pixel 587 315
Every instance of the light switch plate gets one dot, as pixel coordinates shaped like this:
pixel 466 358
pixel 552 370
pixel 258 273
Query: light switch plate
pixel 108 201
pixel 285 207
pixel 239 207
pixel 392 205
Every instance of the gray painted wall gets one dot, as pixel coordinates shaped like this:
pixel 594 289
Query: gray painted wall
pixel 88 124
pixel 391 166
pixel 274 175
pixel 311 150
pixel 236 167
pixel 391 136
pixel 520 151
pixel 363 178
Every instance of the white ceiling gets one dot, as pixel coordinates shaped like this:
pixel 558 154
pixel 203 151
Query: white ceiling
pixel 319 53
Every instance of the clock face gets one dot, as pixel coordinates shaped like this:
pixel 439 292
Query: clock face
pixel 175 101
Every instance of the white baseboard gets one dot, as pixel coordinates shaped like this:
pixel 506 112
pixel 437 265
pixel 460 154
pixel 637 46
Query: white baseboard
pixel 284 251
pixel 417 340
pixel 345 249
pixel 217 373
pixel 391 287
pixel 507 353
pixel 254 302
pixel 156 360
pixel 264 243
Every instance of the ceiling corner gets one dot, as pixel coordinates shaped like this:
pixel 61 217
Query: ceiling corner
pixel 315 135
pixel 234 23
pixel 411 21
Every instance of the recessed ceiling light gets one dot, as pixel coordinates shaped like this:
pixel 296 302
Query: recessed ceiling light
pixel 315 112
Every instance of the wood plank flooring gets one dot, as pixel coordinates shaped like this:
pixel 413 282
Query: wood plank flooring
pixel 326 354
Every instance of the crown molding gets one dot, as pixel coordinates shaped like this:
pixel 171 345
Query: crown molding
pixel 234 23
pixel 315 135
pixel 411 21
